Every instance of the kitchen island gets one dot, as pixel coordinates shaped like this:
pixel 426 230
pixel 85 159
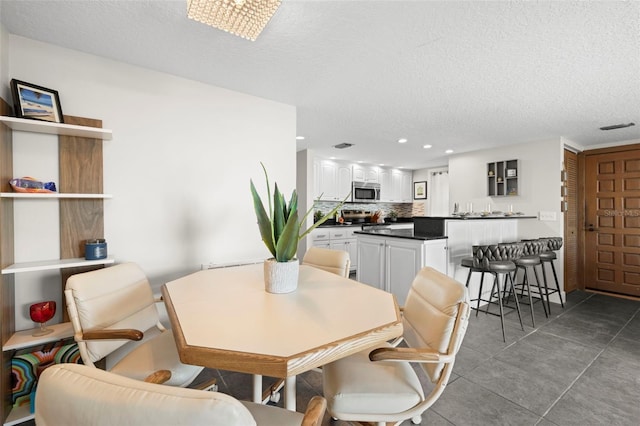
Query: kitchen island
pixel 389 259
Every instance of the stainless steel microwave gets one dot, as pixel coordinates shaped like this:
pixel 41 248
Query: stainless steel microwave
pixel 365 192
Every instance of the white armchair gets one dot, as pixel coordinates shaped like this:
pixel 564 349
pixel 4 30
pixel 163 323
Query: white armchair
pixel 380 385
pixel 72 394
pixel 115 318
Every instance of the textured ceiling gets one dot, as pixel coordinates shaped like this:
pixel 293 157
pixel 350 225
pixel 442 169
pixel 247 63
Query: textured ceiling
pixel 456 75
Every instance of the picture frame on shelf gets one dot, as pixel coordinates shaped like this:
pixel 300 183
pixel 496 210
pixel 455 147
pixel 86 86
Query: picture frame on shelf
pixel 420 190
pixel 36 102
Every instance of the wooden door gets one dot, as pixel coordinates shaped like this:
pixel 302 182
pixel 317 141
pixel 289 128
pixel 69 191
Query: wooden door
pixel 612 221
pixel 571 253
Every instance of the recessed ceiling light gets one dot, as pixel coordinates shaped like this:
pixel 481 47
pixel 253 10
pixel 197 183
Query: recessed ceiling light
pixel 427 146
pixel 381 164
pixel 617 126
pixel 360 162
pixel 449 151
pixel 332 158
pixel 299 138
pixel 402 140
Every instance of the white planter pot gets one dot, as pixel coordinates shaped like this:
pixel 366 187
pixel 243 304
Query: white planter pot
pixel 281 277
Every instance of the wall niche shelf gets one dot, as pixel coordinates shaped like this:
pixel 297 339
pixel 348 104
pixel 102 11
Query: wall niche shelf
pixel 502 178
pixel 36 126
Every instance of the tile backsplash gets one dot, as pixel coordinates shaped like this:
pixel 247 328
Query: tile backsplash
pixel 403 209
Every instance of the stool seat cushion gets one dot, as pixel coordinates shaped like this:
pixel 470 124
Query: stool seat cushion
pixel 548 255
pixel 531 260
pixel 502 266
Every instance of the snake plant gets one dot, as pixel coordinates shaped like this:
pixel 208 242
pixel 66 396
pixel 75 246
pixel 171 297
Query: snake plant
pixel 280 228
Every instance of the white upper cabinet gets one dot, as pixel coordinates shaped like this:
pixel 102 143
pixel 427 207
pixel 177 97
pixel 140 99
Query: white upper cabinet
pixel 332 180
pixel 386 187
pixel 366 173
pixel 395 185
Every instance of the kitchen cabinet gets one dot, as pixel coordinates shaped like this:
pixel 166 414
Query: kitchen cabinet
pixel 332 180
pixel 502 178
pixel 337 238
pixel 395 185
pixel 81 211
pixel 366 173
pixel 391 264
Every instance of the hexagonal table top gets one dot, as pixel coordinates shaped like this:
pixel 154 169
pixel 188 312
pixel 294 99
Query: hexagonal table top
pixel 223 318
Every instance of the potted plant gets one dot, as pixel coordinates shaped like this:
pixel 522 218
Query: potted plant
pixel 281 230
pixel 393 216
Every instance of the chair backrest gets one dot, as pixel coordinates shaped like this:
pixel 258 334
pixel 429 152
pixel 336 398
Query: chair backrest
pixel 553 243
pixel 436 315
pixel 72 394
pixel 116 297
pixel 334 261
pixel 534 247
pixel 510 251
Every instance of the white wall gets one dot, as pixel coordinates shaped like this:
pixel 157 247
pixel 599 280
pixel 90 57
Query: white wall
pixel 178 166
pixel 426 175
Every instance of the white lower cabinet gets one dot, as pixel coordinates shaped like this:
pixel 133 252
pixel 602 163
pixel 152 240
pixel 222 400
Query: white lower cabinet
pixel 339 238
pixel 391 264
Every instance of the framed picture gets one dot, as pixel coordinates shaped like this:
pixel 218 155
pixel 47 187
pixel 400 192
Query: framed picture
pixel 419 190
pixel 35 102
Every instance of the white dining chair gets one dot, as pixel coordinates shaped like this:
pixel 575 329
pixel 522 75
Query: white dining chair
pixel 73 394
pixel 380 385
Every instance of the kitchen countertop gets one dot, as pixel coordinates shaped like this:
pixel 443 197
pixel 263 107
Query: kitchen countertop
pixel 399 233
pixel 479 216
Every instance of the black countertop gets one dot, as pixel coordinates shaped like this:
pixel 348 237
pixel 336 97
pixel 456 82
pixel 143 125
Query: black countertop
pixel 399 233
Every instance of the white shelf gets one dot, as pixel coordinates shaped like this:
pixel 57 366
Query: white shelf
pixel 24 338
pixel 19 414
pixel 54 264
pixel 36 126
pixel 51 195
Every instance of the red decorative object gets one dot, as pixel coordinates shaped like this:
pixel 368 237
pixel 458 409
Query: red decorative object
pixel 42 312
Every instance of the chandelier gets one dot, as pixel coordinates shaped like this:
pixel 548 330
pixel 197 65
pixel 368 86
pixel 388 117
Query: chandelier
pixel 244 18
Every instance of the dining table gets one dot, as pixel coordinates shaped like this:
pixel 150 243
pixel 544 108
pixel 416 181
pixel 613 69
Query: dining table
pixel 224 319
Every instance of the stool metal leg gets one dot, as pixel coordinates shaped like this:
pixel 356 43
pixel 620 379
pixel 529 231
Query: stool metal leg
pixel 496 281
pixel 555 277
pixel 515 296
pixel 535 272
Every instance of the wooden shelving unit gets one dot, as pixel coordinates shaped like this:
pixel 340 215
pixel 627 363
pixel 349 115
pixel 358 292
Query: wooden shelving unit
pixel 81 217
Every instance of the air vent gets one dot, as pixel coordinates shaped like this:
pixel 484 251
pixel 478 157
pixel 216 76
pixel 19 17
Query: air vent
pixel 617 126
pixel 343 145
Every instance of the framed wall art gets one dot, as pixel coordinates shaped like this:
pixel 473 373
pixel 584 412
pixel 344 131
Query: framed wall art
pixel 419 190
pixel 36 102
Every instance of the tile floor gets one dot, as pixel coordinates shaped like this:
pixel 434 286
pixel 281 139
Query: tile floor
pixel 580 366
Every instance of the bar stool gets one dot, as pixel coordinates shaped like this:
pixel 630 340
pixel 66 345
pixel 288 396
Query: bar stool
pixel 529 260
pixel 501 267
pixel 548 256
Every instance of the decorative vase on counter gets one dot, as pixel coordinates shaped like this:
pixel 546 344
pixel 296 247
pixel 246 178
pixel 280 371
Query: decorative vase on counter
pixel 281 277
